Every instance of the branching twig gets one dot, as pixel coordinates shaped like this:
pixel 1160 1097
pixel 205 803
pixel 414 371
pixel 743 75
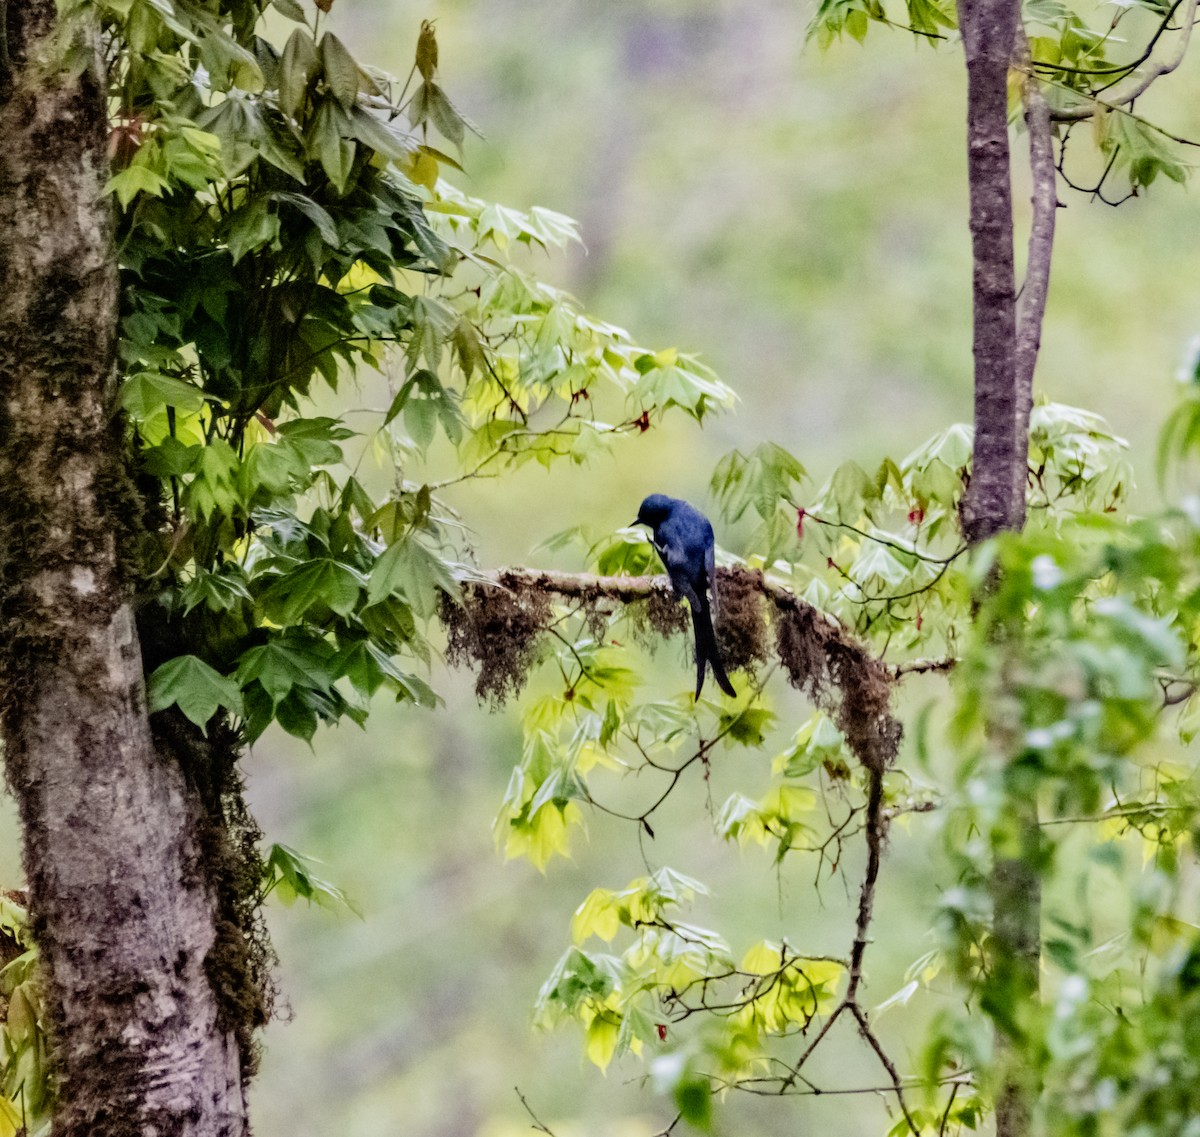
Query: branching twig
pixel 1120 70
pixel 1123 96
pixel 875 828
pixel 537 1123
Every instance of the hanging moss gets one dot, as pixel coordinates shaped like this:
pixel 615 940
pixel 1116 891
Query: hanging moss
pixel 661 616
pixel 739 618
pixel 841 678
pixel 496 629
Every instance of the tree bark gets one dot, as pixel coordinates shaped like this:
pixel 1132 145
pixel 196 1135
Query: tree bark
pixel 990 504
pixel 123 911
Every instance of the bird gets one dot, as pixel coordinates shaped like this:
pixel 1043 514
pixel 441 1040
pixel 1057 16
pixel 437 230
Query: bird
pixel 683 538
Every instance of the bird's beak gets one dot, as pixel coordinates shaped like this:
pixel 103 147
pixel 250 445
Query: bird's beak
pixel 635 521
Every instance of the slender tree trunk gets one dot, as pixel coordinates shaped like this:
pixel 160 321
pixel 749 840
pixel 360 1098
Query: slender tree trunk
pixel 122 909
pixel 1031 308
pixel 990 504
pixel 995 500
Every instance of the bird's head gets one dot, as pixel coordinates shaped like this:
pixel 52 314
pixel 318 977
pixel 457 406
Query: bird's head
pixel 655 510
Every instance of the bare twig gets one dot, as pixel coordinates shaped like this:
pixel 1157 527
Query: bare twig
pixel 671 1127
pixel 875 828
pixel 864 1028
pixel 950 1102
pixel 537 1123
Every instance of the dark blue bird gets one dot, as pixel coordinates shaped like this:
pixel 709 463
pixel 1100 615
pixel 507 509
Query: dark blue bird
pixel 683 539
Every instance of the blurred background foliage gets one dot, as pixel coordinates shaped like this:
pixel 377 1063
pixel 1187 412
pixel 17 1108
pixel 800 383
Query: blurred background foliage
pixel 798 219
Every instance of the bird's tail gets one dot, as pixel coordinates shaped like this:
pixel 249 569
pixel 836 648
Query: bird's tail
pixel 706 648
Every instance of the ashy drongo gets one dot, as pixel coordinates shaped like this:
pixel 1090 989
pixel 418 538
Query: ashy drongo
pixel 683 538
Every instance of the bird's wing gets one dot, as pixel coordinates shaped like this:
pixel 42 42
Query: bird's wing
pixel 675 561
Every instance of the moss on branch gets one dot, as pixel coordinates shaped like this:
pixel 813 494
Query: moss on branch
pixel 498 622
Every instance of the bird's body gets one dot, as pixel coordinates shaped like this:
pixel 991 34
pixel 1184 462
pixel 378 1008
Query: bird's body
pixel 684 540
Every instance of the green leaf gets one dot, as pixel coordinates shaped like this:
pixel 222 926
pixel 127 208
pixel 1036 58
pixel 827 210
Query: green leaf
pixel 132 180
pixel 953 446
pixel 298 66
pixel 291 9
pixel 844 497
pixel 328 142
pixel 296 715
pixel 195 687
pixel 693 1099
pixel 372 132
pixel 251 227
pixel 759 479
pixel 316 214
pixel 341 72
pixel 288 874
pixel 170 458
pixel 148 391
pixel 746 726
pixel 421 575
pixel 217 591
pixel 444 114
pixel 281 665
pixel 321 582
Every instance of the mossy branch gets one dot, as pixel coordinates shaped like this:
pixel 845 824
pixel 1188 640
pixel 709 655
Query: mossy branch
pixel 501 614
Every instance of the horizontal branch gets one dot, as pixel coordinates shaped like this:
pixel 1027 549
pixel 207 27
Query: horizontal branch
pixel 630 589
pixel 500 614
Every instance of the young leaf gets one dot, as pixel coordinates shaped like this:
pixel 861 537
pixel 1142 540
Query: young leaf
pixel 195 687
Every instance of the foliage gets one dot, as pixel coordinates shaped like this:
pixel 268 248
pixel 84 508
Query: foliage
pixel 25 1097
pixel 281 229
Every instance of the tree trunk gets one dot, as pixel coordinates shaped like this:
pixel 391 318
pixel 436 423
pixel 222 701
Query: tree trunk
pixel 995 503
pixel 990 504
pixel 122 906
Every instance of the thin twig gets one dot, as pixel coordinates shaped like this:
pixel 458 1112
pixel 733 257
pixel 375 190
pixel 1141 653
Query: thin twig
pixel 922 666
pixel 946 1115
pixel 864 1028
pixel 1120 70
pixel 876 830
pixel 538 1124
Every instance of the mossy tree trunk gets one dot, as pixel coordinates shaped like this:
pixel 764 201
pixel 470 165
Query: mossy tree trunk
pixel 122 903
